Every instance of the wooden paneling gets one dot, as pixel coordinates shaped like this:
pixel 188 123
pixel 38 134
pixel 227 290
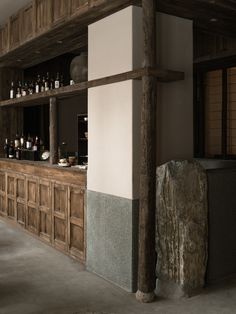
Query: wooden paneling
pixel 27 25
pixel 43 9
pixel 14 31
pixel 45 215
pixel 47 201
pixel 20 209
pixel 3 193
pixel 61 10
pixel 79 5
pixel 32 221
pixel 60 208
pixel 76 222
pixel 4 38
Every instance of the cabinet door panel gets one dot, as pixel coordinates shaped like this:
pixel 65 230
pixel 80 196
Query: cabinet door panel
pixel 61 10
pixel 43 15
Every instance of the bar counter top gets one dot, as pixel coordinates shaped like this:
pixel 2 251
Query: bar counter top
pixel 44 169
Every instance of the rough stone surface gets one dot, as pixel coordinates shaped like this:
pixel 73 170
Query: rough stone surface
pixel 181 228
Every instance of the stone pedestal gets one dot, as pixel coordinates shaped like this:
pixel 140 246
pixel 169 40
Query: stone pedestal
pixel 181 228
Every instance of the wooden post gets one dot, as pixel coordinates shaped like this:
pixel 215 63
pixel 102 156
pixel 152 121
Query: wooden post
pixel 147 256
pixel 53 131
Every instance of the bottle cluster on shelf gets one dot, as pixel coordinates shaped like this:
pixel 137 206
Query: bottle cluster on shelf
pixel 39 85
pixel 23 148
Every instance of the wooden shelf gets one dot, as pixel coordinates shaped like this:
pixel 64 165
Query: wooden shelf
pixel 73 90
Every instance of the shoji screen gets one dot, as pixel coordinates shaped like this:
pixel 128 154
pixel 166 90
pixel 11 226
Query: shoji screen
pixel 213 113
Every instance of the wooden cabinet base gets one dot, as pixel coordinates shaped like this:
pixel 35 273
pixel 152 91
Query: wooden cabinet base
pixel 47 201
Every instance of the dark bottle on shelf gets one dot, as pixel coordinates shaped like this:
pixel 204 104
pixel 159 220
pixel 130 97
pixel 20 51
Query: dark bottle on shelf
pixel 11 151
pixel 18 93
pixel 57 81
pixel 12 90
pixel 31 88
pixel 42 89
pixel 6 148
pixel 36 145
pixel 22 141
pixel 18 153
pixel 38 85
pixel 17 141
pixel 52 84
pixel 61 81
pixel 29 143
pixel 24 89
pixel 47 82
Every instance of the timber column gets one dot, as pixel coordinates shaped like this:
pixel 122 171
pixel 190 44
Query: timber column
pixel 53 130
pixel 147 255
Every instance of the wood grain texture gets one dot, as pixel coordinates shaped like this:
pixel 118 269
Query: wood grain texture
pixel 146 261
pixel 53 132
pixel 48 201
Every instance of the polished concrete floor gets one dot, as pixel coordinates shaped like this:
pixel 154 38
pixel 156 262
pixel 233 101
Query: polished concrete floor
pixel 37 279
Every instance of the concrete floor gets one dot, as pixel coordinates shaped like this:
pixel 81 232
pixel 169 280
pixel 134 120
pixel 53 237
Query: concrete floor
pixel 37 279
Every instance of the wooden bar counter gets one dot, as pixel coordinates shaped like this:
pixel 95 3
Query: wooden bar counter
pixel 47 200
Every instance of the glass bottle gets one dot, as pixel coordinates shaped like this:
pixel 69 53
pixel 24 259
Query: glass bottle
pixel 47 81
pixel 6 148
pixel 29 143
pixel 18 94
pixel 12 91
pixel 38 85
pixel 11 150
pixel 22 141
pixel 57 81
pixel 17 141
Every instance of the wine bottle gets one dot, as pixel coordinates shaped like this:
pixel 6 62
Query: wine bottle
pixel 22 141
pixel 11 150
pixel 38 85
pixel 6 148
pixel 24 89
pixel 36 145
pixel 46 84
pixel 57 81
pixel 61 81
pixel 17 141
pixel 29 143
pixel 18 153
pixel 18 94
pixel 42 89
pixel 12 91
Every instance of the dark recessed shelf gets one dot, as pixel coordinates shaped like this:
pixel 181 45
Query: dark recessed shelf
pixel 73 90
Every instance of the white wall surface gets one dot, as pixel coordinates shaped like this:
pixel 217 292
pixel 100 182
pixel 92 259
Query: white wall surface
pixel 175 100
pixel 112 110
pixel 9 7
pixel 115 46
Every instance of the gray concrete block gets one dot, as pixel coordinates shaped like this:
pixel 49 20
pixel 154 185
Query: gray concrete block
pixel 112 228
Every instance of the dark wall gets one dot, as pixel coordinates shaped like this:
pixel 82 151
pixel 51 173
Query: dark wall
pixel 222 224
pixel 67 120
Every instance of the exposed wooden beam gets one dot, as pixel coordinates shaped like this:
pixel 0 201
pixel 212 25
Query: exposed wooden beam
pixel 147 199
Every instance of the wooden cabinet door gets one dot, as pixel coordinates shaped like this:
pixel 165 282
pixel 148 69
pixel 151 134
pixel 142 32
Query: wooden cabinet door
pixel 32 214
pixel 45 210
pixel 11 196
pixel 3 193
pixel 59 212
pixel 20 200
pixel 43 9
pixel 76 222
pixel 28 23
pixel 61 9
